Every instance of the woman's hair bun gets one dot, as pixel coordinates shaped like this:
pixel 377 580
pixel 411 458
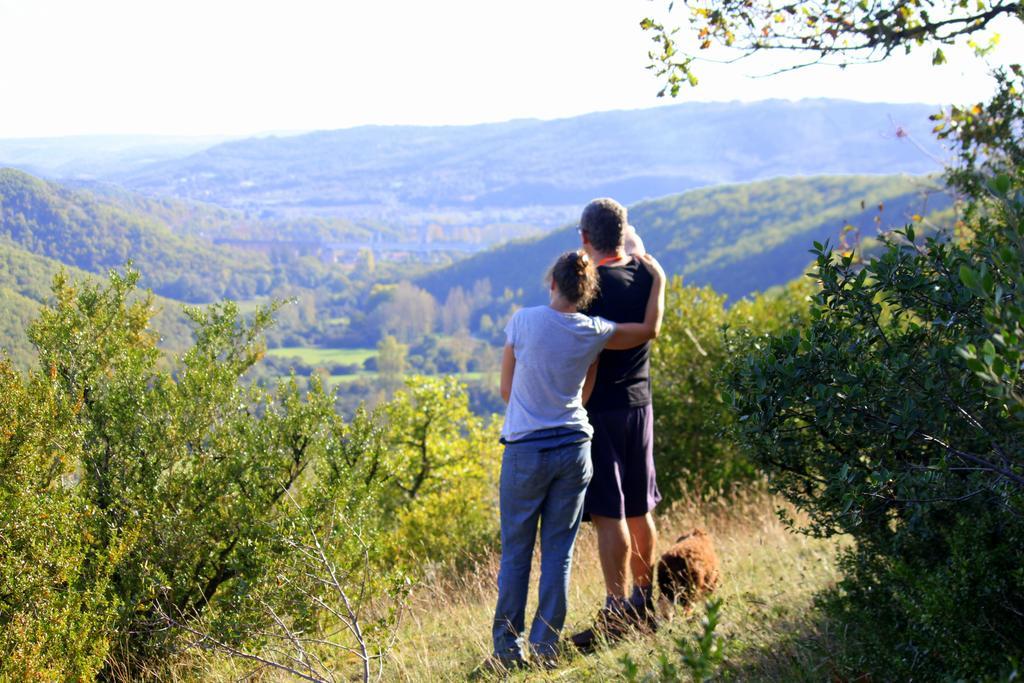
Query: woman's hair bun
pixel 582 262
pixel 575 276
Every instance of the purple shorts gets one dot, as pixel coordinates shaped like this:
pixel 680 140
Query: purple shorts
pixel 622 451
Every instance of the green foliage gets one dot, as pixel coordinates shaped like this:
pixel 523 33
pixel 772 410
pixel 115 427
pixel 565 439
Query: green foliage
pixel 448 460
pixel 25 280
pixel 391 362
pixel 704 658
pixel 888 417
pixel 180 463
pixel 407 312
pixel 16 314
pixel 701 660
pixel 694 447
pixel 987 135
pixel 54 605
pixel 998 359
pixel 894 414
pixel 137 492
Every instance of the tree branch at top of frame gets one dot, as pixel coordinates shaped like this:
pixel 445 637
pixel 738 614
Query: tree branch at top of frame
pixel 848 31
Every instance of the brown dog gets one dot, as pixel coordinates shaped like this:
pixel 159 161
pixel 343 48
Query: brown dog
pixel 689 568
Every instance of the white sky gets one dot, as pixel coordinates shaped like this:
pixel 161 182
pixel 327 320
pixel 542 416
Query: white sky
pixel 235 67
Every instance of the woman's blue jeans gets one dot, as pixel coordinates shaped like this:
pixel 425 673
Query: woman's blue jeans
pixel 542 482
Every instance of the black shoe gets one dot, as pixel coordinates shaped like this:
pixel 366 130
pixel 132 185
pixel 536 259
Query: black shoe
pixel 646 618
pixel 609 627
pixel 498 666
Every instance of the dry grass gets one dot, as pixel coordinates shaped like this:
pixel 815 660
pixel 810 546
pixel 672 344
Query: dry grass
pixel 769 577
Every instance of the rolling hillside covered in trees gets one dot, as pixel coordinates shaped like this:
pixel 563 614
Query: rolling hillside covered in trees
pixel 79 229
pixel 740 238
pixel 47 226
pixel 26 281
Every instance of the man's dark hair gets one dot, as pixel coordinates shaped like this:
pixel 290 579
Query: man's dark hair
pixel 604 221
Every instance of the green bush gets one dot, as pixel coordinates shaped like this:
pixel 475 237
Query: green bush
pixel 693 445
pixel 55 611
pixel 894 416
pixel 445 496
pixel 144 499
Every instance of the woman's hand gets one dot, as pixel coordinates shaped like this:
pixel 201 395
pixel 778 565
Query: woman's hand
pixel 652 266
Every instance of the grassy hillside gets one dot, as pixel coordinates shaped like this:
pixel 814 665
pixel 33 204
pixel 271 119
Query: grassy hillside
pixel 396 173
pixel 738 238
pixel 25 280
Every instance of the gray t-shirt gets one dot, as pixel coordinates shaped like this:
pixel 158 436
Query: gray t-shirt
pixel 553 351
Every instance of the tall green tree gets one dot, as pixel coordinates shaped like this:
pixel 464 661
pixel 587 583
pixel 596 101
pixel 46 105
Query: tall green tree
pixel 392 362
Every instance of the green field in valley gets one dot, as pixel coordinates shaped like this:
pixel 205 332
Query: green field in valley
pixel 464 376
pixel 314 356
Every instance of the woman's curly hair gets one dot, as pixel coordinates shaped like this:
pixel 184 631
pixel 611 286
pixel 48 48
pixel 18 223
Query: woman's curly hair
pixel 576 278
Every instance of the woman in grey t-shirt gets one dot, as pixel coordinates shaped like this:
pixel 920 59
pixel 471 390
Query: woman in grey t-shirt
pixel 547 371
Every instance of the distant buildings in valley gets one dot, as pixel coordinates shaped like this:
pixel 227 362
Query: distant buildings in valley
pixel 422 251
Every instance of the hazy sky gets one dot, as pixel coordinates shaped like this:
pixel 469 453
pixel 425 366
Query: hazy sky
pixel 194 67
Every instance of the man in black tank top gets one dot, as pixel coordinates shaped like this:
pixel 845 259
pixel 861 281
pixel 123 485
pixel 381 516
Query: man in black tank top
pixel 623 490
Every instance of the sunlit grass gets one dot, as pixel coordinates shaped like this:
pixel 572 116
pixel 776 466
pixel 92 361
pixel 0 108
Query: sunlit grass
pixel 771 629
pixel 769 578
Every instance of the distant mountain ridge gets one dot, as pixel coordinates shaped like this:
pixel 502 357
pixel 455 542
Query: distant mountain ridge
pixel 91 156
pixel 541 171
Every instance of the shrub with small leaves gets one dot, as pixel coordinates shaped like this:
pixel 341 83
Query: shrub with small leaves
pixel 893 416
pixel 142 495
pixel 55 611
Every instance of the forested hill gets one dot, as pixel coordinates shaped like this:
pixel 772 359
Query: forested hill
pixel 25 284
pixel 78 229
pixel 495 170
pixel 95 232
pixel 737 238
